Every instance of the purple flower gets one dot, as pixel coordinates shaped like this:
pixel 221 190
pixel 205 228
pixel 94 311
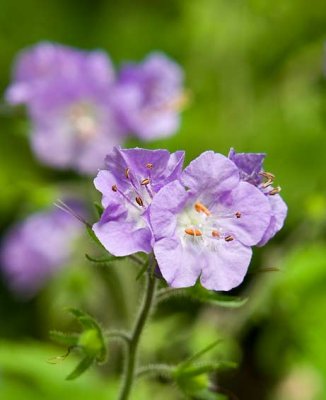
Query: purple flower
pixel 251 170
pixel 132 179
pixel 36 248
pixel 148 97
pixel 68 95
pixel 205 224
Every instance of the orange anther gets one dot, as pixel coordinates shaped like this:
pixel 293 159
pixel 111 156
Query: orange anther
pixel 127 173
pixel 145 182
pixel 216 233
pixel 274 191
pixel 114 188
pixel 238 214
pixel 193 232
pixel 139 201
pixel 149 166
pixel 229 238
pixel 199 207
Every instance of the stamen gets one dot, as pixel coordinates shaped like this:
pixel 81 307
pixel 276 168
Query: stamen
pixel 115 189
pixel 238 214
pixel 229 238
pixel 267 175
pixel 149 166
pixel 270 179
pixel 199 207
pixel 139 201
pixel 275 191
pixel 215 233
pixel 193 232
pixel 145 181
pixel 127 173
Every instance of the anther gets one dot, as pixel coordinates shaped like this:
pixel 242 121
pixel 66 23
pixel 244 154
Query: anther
pixel 238 214
pixel 127 173
pixel 274 191
pixel 145 181
pixel 267 175
pixel 193 232
pixel 139 201
pixel 149 166
pixel 270 179
pixel 216 233
pixel 229 238
pixel 114 188
pixel 199 207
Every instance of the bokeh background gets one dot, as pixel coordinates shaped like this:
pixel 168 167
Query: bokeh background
pixel 255 71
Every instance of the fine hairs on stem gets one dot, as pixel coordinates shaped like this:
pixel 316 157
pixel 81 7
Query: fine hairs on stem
pixel 132 345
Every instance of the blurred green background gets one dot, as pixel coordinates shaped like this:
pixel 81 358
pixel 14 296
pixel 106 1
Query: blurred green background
pixel 256 73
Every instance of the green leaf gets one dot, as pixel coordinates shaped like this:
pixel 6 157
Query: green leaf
pixel 206 368
pixel 83 366
pixel 67 339
pixel 142 271
pixel 187 363
pixel 102 260
pixel 92 235
pixel 99 209
pixel 87 340
pixel 201 294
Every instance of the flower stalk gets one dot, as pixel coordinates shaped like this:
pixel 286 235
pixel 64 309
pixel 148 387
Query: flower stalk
pixel 132 345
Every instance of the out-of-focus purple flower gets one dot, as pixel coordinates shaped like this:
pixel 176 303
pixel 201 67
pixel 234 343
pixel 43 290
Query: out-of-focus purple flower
pixel 131 181
pixel 205 224
pixel 148 97
pixel 251 170
pixel 67 93
pixel 34 250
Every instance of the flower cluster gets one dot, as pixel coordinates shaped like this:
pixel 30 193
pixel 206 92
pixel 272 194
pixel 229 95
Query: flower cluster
pixel 34 249
pixel 200 222
pixel 79 107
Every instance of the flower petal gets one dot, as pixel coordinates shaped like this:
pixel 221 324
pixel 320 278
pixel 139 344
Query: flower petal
pixel 279 212
pixel 164 208
pixel 211 172
pixel 122 239
pixel 254 209
pixel 226 266
pixel 179 265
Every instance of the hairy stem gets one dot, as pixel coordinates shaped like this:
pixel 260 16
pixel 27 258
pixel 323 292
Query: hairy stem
pixel 132 346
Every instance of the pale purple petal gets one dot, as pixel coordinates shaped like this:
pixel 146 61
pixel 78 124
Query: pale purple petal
pixel 165 206
pixel 122 238
pixel 249 164
pixel 179 265
pixel 254 209
pixel 210 172
pixel 226 266
pixel 279 213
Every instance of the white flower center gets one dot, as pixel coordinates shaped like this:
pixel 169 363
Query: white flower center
pixel 198 225
pixel 83 120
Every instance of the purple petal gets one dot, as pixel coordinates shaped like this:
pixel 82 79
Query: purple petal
pixel 226 267
pixel 179 265
pixel 164 208
pixel 254 209
pixel 210 172
pixel 122 238
pixel 279 212
pixel 248 162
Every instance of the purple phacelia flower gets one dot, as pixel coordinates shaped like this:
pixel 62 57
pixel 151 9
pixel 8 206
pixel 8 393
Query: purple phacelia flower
pixel 148 97
pixel 68 96
pixel 251 170
pixel 132 179
pixel 36 248
pixel 205 224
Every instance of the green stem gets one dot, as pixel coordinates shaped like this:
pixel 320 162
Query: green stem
pixel 132 347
